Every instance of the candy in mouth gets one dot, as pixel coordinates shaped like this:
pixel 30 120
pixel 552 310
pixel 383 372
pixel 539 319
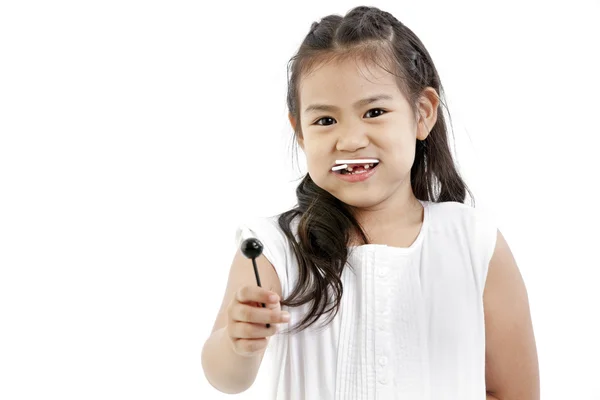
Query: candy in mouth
pixel 354 166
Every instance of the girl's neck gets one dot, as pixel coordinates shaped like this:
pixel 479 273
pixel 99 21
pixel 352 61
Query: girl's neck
pixel 387 222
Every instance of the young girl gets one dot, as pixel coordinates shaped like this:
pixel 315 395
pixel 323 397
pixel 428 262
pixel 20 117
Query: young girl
pixel 392 287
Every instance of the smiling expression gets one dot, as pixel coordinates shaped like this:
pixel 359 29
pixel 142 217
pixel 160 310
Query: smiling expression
pixel 350 110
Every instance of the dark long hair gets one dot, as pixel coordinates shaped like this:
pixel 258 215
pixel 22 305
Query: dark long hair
pixel 324 223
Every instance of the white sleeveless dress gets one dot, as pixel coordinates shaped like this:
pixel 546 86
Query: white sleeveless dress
pixel 411 322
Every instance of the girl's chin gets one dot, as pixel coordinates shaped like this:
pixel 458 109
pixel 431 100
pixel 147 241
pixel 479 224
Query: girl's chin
pixel 358 200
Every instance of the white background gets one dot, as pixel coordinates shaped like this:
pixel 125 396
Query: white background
pixel 135 136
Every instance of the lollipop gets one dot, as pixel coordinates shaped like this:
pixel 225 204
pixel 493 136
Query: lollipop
pixel 252 248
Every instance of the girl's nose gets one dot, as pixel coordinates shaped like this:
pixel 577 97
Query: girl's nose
pixel 350 141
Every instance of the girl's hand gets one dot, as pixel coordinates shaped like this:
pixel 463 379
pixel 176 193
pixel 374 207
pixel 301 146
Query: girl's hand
pixel 247 321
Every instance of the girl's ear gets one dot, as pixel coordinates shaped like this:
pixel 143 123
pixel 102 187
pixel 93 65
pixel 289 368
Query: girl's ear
pixel 292 120
pixel 299 137
pixel 428 106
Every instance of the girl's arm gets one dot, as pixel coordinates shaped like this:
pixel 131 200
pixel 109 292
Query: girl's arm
pixel 511 370
pixel 224 369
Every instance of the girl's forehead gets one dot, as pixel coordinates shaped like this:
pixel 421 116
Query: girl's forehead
pixel 348 69
pixel 346 78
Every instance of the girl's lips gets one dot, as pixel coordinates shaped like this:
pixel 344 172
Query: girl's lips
pixel 340 164
pixel 359 177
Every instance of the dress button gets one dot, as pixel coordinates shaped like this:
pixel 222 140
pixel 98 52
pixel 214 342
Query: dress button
pixel 382 273
pixel 383 380
pixel 382 361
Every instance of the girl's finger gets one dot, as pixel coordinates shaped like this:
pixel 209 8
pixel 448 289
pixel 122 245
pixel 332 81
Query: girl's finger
pixel 246 330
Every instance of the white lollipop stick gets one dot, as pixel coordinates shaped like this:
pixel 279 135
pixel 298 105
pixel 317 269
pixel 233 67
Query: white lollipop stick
pixel 363 161
pixel 339 167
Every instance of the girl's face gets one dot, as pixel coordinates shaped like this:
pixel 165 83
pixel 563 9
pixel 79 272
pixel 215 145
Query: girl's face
pixel 351 112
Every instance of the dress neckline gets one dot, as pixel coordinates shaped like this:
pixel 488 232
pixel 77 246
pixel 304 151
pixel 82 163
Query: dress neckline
pixel 395 249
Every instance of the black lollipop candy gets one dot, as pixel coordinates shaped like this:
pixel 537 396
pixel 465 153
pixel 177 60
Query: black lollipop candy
pixel 252 248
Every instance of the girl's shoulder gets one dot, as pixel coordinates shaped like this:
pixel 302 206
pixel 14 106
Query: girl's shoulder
pixel 478 226
pixel 463 224
pixel 275 244
pixel 453 213
pixel 267 227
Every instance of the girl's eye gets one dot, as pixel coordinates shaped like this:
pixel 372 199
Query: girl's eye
pixel 324 118
pixel 329 119
pixel 377 109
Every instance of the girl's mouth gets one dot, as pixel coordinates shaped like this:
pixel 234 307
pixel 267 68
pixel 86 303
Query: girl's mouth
pixel 354 167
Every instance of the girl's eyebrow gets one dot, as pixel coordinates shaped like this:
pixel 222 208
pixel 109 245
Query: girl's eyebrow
pixel 359 103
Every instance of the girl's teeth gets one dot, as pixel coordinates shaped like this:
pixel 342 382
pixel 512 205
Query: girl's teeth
pixel 365 167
